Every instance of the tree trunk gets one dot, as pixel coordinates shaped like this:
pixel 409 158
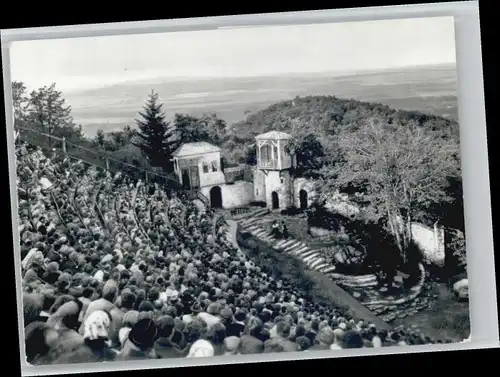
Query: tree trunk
pixel 400 233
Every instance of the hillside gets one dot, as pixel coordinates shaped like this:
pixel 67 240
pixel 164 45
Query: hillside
pixel 324 115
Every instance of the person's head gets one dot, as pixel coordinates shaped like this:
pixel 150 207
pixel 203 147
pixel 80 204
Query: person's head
pixel 376 342
pixel 32 307
pixel 48 300
pixel 39 339
pixel 231 345
pixel 110 290
pixel 325 336
pixel 146 306
pixel 60 301
pixel 128 299
pixel 130 318
pixel 217 333
pixel 352 339
pixel 254 326
pixel 143 334
pixel 338 336
pixel 165 326
pixel 283 329
pixel 201 348
pixel 195 330
pixel 97 327
pixel 303 343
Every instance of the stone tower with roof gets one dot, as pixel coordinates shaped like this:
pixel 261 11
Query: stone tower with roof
pixel 273 182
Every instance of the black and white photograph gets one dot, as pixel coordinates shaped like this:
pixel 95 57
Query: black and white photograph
pixel 237 191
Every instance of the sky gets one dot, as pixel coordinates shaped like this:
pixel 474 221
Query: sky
pixel 84 63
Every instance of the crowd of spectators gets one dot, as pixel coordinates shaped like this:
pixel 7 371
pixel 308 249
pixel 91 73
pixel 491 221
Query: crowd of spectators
pixel 117 269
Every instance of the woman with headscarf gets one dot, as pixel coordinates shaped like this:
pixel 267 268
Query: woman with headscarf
pixel 96 335
pixel 201 348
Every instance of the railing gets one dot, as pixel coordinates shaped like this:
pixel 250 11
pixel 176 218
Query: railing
pixel 203 198
pixel 239 211
pixel 93 157
pixel 272 164
pixel 236 173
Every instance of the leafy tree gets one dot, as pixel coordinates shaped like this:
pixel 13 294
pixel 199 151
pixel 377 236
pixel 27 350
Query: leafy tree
pixel 308 153
pixel 48 113
pixel 457 247
pixel 100 138
pixel 20 102
pixel 216 127
pixel 190 129
pixel 251 155
pixel 400 170
pixel 154 136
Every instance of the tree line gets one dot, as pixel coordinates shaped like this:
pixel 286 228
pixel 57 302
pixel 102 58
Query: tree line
pixel 398 166
pixel 149 144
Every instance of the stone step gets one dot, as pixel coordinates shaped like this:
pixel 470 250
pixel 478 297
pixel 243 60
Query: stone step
pixel 321 267
pixel 286 243
pixel 252 227
pixel 329 269
pixel 255 231
pixel 260 233
pixel 317 262
pixel 307 253
pixel 279 243
pixel 292 245
pixel 310 257
pixel 300 251
pixel 267 238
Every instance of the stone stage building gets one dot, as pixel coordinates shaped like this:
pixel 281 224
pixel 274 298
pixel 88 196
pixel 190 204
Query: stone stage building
pixel 198 166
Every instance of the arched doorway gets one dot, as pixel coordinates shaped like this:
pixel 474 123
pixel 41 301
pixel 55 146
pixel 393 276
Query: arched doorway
pixel 303 199
pixel 275 200
pixel 216 197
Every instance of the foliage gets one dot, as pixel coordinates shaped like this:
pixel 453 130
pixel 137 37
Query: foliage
pixel 308 153
pixel 44 110
pixel 401 169
pixel 154 136
pixel 457 247
pixel 190 129
pixel 20 101
pixel 324 116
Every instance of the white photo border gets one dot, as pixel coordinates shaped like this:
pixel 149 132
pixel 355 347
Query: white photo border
pixel 473 144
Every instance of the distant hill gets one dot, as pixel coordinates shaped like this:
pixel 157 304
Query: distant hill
pixel 323 115
pixel 430 89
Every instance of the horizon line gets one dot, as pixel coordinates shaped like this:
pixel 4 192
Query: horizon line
pixel 229 77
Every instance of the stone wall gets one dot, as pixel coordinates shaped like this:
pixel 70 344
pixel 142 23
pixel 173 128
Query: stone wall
pixel 279 182
pixel 259 185
pixel 238 194
pixel 306 185
pixel 430 241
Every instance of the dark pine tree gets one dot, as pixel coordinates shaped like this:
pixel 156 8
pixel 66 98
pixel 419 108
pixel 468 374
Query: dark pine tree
pixel 154 134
